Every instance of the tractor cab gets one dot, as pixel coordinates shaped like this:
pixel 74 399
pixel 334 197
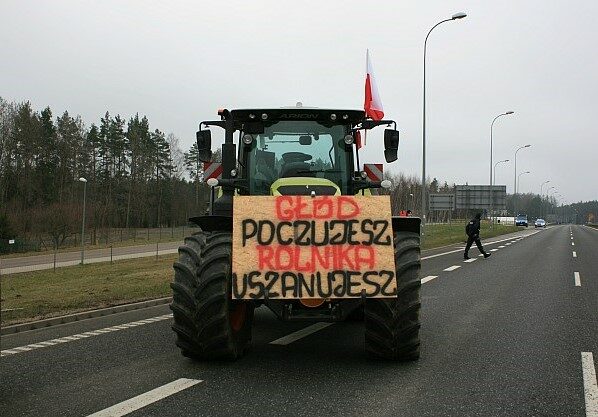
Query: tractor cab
pixel 292 151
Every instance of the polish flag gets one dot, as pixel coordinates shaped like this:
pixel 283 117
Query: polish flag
pixel 373 104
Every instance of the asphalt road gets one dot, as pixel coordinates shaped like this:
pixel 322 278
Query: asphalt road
pixel 509 335
pixel 46 261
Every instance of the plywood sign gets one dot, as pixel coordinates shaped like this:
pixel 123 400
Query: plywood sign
pixel 289 247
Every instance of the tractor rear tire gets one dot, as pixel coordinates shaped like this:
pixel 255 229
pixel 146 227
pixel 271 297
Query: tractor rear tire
pixel 207 322
pixel 392 324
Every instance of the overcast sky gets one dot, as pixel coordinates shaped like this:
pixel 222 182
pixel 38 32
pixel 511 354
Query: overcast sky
pixel 177 62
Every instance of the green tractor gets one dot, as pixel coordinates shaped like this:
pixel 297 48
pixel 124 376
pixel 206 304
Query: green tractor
pixel 294 153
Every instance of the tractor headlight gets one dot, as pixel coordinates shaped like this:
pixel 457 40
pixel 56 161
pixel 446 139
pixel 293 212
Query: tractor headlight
pixel 386 184
pixel 363 174
pixel 349 139
pixel 264 116
pixel 233 173
pixel 212 182
pixel 247 139
pixel 333 117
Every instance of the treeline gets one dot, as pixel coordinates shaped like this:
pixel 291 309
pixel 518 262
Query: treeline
pixel 406 195
pixel 137 176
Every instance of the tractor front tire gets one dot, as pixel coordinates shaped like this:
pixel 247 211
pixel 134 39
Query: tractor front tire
pixel 208 323
pixel 392 324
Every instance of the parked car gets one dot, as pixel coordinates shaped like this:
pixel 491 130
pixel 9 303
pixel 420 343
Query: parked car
pixel 521 220
pixel 540 223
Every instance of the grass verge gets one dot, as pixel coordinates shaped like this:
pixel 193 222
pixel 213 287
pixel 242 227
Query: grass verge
pixel 42 294
pixel 437 235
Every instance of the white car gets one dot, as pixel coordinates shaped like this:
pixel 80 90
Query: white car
pixel 540 223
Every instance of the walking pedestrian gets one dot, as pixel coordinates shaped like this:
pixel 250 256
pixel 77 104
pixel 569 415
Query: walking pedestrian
pixel 472 229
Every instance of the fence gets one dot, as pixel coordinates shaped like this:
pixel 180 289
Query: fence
pixel 95 238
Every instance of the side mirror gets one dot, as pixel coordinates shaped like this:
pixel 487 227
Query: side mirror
pixel 391 145
pixel 204 145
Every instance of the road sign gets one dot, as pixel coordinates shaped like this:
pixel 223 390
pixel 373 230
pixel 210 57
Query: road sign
pixel 212 170
pixel 479 196
pixel 439 202
pixel 375 171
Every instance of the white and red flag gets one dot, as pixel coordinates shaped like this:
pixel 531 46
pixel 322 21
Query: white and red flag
pixel 373 104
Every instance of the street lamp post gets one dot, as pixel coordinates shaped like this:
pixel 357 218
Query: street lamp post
pixel 542 201
pixel 515 184
pixel 499 162
pixel 518 179
pixel 491 184
pixel 84 181
pixel 456 16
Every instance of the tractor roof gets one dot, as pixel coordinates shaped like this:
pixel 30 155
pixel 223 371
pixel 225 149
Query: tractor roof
pixel 339 116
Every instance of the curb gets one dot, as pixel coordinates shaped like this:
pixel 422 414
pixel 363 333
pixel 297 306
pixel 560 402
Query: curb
pixel 70 318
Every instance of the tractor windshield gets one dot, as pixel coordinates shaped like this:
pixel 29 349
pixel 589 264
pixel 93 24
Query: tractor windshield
pixel 298 149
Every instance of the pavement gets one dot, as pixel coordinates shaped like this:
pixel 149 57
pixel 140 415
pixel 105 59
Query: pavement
pixel 40 262
pixel 512 335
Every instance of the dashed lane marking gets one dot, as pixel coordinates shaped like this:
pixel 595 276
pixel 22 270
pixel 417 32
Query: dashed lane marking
pixel 471 260
pixel 508 243
pixel 493 250
pixel 577 279
pixel 502 246
pixel 428 278
pixel 590 387
pixel 452 268
pixel 147 398
pixel 299 334
pixel 66 339
pixel 574 254
pixel 486 243
pixel 572 243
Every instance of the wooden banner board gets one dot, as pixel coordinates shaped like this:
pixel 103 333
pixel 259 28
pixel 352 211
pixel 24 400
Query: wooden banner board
pixel 291 247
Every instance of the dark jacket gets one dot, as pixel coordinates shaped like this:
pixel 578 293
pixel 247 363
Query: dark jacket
pixel 473 227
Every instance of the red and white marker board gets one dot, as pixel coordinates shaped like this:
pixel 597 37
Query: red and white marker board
pixel 212 170
pixel 375 172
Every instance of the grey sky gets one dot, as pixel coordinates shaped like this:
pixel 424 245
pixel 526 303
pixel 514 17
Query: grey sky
pixel 177 62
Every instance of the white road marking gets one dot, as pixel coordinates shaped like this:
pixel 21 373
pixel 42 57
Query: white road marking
pixel 471 260
pixel 574 254
pixel 71 338
pixel 590 387
pixel 508 243
pixel 493 250
pixel 577 279
pixel 452 268
pixel 571 237
pixel 572 243
pixel 428 278
pixel 146 398
pixel 460 250
pixel 299 334
pixel 502 246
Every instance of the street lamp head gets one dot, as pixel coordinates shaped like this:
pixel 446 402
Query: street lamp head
pixel 82 179
pixel 506 160
pixel 510 112
pixel 527 146
pixel 459 15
